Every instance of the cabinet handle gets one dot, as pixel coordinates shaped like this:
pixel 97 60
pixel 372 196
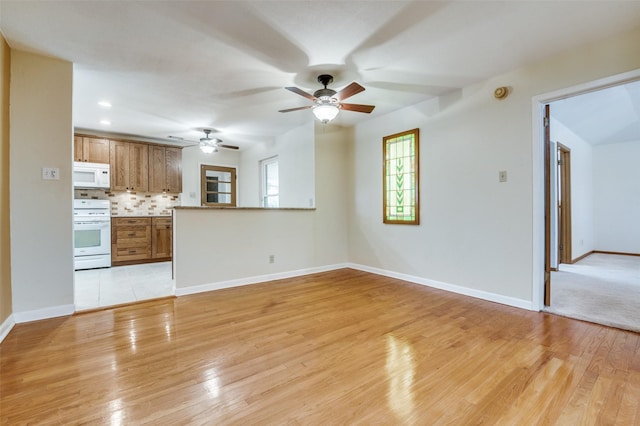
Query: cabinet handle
pixel 132 251
pixel 131 234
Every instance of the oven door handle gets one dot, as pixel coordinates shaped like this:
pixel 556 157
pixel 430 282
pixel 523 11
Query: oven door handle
pixel 92 224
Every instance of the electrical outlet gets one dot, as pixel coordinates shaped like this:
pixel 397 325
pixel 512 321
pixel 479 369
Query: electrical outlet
pixel 272 258
pixel 50 173
pixel 502 176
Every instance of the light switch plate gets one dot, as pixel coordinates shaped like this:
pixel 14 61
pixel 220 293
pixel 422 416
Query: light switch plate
pixel 50 173
pixel 502 176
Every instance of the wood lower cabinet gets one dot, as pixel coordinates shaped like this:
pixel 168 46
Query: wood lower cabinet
pixel 161 237
pixel 141 240
pixel 130 239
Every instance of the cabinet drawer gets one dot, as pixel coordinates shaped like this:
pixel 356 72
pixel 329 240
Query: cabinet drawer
pixel 132 234
pixel 162 221
pixel 131 221
pixel 132 253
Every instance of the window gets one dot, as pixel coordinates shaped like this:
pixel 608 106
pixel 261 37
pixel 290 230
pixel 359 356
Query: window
pixel 218 186
pixel 400 178
pixel 270 184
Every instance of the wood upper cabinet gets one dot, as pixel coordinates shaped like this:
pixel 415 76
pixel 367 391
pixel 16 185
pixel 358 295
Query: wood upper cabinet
pixel 91 150
pixel 129 166
pixel 165 169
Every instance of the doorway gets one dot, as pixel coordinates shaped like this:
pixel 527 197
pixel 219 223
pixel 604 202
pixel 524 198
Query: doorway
pixel 577 244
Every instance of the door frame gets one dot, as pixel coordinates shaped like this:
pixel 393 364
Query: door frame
pixel 538 155
pixel 564 207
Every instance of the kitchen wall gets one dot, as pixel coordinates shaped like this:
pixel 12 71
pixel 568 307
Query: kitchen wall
pixel 133 204
pixel 617 197
pixel 5 231
pixel 476 234
pixel 296 174
pixel 192 159
pixel 41 220
pixel 295 151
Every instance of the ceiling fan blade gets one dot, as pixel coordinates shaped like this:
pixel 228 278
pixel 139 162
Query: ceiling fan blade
pixel 358 108
pixel 295 109
pixel 228 146
pixel 350 90
pixel 301 93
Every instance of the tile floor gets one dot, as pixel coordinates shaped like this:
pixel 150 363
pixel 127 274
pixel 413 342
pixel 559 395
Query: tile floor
pixel 95 288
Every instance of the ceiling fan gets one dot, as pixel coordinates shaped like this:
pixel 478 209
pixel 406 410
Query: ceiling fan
pixel 327 102
pixel 207 144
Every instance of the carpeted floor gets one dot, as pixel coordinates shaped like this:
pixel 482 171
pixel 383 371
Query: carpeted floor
pixel 600 288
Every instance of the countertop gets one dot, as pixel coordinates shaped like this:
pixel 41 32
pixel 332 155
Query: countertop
pixel 243 208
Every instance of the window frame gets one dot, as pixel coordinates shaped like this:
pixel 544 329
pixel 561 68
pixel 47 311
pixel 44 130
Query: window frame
pixel 263 181
pixel 415 170
pixel 203 185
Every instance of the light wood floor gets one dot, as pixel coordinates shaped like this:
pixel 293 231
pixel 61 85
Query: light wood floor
pixel 343 347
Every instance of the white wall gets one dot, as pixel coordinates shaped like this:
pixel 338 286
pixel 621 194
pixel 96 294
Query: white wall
pixel 617 197
pixel 475 232
pixel 192 159
pixel 214 247
pixel 582 224
pixel 295 151
pixel 41 210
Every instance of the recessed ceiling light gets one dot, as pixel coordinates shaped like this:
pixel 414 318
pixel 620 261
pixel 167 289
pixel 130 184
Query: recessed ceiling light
pixel 104 104
pixel 105 122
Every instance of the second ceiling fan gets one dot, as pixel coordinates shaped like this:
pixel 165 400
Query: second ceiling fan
pixel 327 102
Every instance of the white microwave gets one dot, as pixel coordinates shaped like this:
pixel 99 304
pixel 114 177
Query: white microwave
pixel 91 175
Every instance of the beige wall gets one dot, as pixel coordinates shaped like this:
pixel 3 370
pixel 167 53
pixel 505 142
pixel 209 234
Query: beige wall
pixel 216 247
pixel 41 210
pixel 476 234
pixel 5 248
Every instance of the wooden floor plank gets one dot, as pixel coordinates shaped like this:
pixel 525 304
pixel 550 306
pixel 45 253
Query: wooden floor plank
pixel 341 347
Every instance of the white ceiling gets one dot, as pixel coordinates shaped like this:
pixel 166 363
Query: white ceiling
pixel 173 67
pixel 602 117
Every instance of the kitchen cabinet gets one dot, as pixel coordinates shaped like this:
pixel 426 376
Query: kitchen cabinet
pixel 130 239
pixel 165 169
pixel 161 237
pixel 129 166
pixel 141 240
pixel 90 149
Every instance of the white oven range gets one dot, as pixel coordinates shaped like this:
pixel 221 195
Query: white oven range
pixel 91 234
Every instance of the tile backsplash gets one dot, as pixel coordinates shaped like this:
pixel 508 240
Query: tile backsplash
pixel 133 203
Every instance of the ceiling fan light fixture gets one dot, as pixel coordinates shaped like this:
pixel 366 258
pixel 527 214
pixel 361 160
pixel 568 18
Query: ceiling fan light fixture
pixel 206 148
pixel 325 112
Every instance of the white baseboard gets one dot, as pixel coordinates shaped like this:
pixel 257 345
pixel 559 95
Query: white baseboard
pixel 255 280
pixel 45 313
pixel 6 327
pixel 466 291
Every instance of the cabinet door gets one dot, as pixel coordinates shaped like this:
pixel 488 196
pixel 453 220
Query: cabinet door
pixel 78 148
pixel 139 167
pixel 161 239
pixel 95 150
pixel 173 170
pixel 157 168
pixel 119 160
